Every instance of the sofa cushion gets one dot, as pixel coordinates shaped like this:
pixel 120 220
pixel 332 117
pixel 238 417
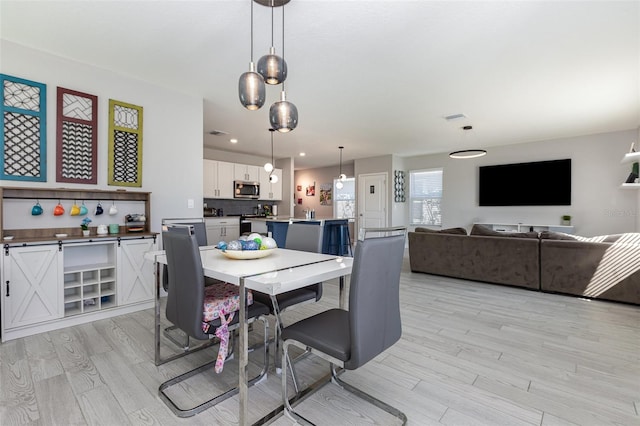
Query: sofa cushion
pixel 488 232
pixel 550 235
pixel 455 231
pixel 511 261
pixel 599 270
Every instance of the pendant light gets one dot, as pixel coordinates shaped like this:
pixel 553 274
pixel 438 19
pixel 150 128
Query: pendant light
pixel 342 177
pixel 251 89
pixel 283 115
pixel 273 178
pixel 268 167
pixel 272 67
pixel 467 153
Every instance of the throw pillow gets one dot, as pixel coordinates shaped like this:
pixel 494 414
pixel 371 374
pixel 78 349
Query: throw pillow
pixel 455 231
pixel 488 232
pixel 550 235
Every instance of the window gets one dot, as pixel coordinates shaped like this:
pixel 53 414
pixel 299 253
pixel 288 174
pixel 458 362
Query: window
pixel 344 205
pixel 425 196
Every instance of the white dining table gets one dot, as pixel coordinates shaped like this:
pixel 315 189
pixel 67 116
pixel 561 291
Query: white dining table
pixel 283 270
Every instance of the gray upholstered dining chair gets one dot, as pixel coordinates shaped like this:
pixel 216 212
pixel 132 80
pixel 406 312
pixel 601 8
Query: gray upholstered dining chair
pixel 299 237
pixel 350 339
pixel 200 232
pixel 185 308
pixel 305 238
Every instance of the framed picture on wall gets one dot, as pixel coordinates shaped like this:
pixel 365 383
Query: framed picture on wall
pixel 311 190
pixel 325 194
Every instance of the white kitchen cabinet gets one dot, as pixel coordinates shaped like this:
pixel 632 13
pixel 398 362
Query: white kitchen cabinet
pixel 218 179
pixel 246 172
pixel 270 191
pixel 225 229
pixel 31 292
pixel 135 274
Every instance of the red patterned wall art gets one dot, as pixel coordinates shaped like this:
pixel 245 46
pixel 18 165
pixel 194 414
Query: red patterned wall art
pixel 77 137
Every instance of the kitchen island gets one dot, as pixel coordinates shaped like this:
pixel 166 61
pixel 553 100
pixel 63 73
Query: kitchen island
pixel 336 236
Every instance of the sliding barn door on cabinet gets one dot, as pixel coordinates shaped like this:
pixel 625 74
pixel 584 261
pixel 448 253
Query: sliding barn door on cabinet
pixel 31 291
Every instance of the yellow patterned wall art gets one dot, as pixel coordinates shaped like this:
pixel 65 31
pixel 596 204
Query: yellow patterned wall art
pixel 125 144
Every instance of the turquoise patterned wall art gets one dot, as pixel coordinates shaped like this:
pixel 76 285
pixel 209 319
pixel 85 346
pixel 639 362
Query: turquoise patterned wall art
pixel 23 108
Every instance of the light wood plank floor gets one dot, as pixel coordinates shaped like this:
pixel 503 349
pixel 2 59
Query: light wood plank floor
pixel 470 354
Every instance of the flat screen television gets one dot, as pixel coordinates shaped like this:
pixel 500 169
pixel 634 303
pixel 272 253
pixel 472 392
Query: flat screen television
pixel 540 183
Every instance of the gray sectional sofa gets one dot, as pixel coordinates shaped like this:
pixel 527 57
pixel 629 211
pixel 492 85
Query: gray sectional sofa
pixel 601 267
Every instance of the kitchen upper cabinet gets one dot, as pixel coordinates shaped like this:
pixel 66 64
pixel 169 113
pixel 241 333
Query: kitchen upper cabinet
pixel 246 172
pixel 218 179
pixel 270 191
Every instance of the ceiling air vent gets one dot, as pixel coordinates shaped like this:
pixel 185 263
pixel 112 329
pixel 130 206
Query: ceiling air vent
pixel 218 132
pixel 454 117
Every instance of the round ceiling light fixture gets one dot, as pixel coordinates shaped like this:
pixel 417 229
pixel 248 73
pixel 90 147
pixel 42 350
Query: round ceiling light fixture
pixel 468 153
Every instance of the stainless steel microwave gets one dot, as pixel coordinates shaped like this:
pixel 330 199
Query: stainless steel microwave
pixel 242 189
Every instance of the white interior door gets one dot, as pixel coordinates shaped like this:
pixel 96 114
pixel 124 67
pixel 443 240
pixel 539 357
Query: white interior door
pixel 372 201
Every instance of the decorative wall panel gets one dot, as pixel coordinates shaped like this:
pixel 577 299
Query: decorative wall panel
pixel 398 186
pixel 23 154
pixel 125 144
pixel 77 137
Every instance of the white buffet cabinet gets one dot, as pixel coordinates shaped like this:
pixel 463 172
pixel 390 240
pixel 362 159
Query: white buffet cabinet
pixel 53 285
pixel 51 282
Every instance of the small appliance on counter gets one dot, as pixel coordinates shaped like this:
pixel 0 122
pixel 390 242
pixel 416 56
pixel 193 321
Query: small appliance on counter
pixel 212 212
pixel 135 222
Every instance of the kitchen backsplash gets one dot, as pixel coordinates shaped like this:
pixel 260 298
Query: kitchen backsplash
pixel 233 207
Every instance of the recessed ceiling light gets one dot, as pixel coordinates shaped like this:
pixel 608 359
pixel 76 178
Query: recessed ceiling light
pixel 233 140
pixel 302 154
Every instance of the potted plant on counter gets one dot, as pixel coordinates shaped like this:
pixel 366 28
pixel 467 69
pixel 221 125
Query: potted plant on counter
pixel 566 220
pixel 85 226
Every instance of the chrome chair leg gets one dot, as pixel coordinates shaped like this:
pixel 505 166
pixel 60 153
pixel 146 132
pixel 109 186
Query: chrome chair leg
pixel 334 377
pixel 277 341
pixel 184 345
pixel 188 412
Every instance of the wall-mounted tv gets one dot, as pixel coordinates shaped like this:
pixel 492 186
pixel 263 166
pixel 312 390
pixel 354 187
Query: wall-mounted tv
pixel 540 183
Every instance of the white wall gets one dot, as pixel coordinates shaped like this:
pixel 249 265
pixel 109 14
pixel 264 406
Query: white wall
pixel 172 132
pixel 598 204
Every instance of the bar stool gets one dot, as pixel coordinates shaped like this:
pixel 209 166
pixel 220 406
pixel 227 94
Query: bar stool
pixel 345 240
pixel 339 239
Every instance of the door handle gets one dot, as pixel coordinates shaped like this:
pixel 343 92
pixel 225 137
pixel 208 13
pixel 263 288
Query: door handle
pixel 7 288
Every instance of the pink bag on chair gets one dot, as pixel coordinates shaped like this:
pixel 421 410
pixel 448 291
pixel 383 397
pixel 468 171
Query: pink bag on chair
pixel 221 301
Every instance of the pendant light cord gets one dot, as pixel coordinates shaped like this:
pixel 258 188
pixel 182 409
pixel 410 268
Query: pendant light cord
pixel 340 175
pixel 251 30
pixel 273 165
pixel 272 24
pixel 282 39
